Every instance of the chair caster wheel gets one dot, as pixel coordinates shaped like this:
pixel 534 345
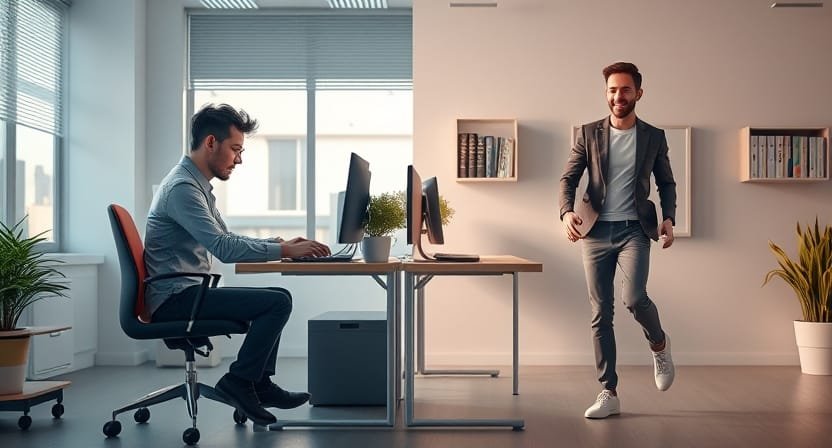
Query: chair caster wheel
pixel 142 415
pixel 57 410
pixel 239 418
pixel 24 422
pixel 190 436
pixel 112 428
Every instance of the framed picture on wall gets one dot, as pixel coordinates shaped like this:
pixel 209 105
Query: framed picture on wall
pixel 679 149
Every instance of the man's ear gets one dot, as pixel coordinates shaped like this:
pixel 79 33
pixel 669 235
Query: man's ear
pixel 210 142
pixel 639 92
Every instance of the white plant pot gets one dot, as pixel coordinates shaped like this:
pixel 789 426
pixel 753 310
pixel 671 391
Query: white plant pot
pixel 376 249
pixel 14 358
pixel 814 345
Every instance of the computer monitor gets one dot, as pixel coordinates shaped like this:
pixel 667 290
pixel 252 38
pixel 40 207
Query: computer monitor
pixel 423 206
pixel 356 201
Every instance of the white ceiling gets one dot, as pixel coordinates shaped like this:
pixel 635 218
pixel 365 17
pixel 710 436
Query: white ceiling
pixel 304 4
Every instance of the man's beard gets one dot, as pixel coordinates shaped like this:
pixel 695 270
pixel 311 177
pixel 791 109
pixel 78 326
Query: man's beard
pixel 631 106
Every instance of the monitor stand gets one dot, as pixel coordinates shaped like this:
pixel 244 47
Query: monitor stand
pixel 458 258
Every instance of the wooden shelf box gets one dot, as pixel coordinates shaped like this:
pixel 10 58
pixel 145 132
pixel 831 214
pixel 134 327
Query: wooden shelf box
pixel 791 155
pixel 505 128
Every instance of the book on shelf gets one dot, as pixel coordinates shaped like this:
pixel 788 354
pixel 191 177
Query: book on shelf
pixel 491 156
pixel 480 156
pixel 462 155
pixel 472 154
pixel 771 157
pixel 753 158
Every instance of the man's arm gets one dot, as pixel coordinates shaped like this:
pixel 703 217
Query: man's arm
pixel 575 166
pixel 188 207
pixel 665 183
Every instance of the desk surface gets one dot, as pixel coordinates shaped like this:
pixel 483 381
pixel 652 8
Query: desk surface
pixel 352 267
pixel 487 263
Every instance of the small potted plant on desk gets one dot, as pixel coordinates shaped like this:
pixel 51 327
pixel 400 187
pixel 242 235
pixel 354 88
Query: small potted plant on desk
pixel 811 278
pixel 26 276
pixel 386 215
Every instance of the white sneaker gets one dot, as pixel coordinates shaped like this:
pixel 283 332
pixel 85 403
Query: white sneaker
pixel 663 368
pixel 605 405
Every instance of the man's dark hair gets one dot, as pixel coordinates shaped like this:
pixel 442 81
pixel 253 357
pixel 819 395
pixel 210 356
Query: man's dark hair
pixel 623 67
pixel 217 121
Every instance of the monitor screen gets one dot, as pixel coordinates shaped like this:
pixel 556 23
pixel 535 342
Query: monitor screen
pixel 432 211
pixel 356 201
pixel 414 206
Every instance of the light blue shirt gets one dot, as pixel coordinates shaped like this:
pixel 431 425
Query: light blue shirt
pixel 183 226
pixel 620 203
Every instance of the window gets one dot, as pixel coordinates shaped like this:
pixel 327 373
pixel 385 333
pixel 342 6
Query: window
pixel 31 131
pixel 287 171
pixel 322 85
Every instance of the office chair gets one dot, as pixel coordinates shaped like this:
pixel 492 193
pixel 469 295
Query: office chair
pixel 189 336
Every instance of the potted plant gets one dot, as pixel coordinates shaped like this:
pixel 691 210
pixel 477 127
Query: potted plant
pixel 386 214
pixel 26 276
pixel 811 278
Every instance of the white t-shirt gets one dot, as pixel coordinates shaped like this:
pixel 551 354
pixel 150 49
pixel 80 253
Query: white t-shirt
pixel 620 202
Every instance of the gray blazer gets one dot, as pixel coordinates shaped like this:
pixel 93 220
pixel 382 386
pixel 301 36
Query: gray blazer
pixel 591 152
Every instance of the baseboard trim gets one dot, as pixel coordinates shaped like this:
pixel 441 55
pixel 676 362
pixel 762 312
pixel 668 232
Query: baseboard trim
pixel 624 358
pixel 121 358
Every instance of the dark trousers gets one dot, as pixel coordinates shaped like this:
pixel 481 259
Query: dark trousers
pixel 625 245
pixel 267 309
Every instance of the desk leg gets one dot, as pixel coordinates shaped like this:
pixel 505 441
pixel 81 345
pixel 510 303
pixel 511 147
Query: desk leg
pixel 408 348
pixel 420 346
pixel 392 347
pixel 516 311
pixel 409 419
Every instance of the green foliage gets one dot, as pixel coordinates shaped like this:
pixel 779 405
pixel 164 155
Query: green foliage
pixel 445 210
pixel 811 275
pixel 25 274
pixel 387 214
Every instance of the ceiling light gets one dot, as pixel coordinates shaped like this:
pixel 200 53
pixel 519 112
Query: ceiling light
pixel 797 5
pixel 357 4
pixel 229 4
pixel 472 4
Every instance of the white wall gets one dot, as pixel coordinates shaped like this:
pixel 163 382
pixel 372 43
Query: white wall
pixel 105 147
pixel 714 65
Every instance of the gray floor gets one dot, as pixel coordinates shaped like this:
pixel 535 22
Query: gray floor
pixel 707 407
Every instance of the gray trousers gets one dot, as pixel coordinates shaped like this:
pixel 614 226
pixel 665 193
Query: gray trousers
pixel 267 309
pixel 625 245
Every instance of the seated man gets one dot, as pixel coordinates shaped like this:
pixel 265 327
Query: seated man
pixel 184 225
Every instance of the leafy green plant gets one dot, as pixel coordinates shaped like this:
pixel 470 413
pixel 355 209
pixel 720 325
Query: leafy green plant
pixel 26 274
pixel 811 275
pixel 386 214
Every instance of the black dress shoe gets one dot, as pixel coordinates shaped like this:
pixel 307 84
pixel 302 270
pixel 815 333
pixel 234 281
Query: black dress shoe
pixel 241 394
pixel 273 396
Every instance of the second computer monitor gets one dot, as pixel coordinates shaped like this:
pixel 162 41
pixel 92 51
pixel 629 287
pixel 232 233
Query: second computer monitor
pixel 423 207
pixel 356 201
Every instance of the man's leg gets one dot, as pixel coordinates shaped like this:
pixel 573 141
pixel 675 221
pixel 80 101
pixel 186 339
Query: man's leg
pixel 267 310
pixel 599 257
pixel 634 260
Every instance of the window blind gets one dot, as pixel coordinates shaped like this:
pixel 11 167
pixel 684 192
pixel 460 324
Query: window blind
pixel 273 51
pixel 31 61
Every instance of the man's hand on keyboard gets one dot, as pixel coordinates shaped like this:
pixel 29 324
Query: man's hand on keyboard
pixel 301 247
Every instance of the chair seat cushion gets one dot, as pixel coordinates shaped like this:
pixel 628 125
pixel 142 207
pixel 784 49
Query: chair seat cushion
pixel 176 329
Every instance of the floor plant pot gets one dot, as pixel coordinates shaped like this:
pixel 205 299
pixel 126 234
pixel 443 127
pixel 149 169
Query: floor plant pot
pixel 376 249
pixel 814 345
pixel 14 359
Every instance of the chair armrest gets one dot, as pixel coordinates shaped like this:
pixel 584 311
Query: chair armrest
pixel 207 280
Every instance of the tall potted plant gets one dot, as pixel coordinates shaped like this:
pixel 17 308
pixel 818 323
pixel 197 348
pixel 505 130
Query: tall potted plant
pixel 811 278
pixel 26 276
pixel 386 215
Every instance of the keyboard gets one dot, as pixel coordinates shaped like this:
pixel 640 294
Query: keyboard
pixel 456 257
pixel 326 259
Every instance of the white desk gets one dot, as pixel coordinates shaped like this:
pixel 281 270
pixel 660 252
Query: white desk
pixel 374 270
pixel 416 275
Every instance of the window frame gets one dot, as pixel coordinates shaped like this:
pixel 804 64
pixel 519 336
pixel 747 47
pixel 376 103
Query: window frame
pixel 8 213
